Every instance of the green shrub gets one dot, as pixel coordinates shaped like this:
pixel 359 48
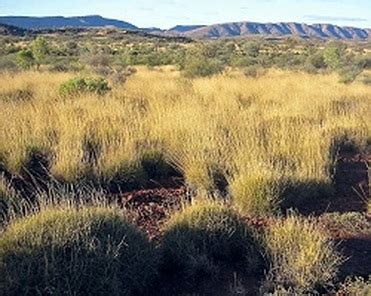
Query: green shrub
pixel 252 48
pixel 289 60
pixel 334 55
pixel 316 60
pixel 40 49
pixel 7 63
pixel 244 61
pixel 25 59
pixel 205 236
pixel 202 67
pixel 70 251
pixel 73 86
pixel 314 63
pixel 99 86
pixel 349 73
pixel 76 86
pixel 301 255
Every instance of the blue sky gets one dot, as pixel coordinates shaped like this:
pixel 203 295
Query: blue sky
pixel 167 13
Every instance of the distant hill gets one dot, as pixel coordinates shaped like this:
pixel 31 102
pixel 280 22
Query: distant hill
pixel 184 29
pixel 60 22
pixel 227 30
pixel 12 30
pixel 249 29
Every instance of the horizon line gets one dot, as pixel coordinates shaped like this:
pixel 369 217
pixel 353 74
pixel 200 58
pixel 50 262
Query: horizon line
pixel 204 25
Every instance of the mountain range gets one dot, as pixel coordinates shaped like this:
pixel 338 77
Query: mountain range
pixel 217 31
pixel 248 29
pixel 54 22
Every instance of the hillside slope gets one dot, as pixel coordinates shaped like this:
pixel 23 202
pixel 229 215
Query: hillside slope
pixel 7 30
pixel 247 29
pixel 60 22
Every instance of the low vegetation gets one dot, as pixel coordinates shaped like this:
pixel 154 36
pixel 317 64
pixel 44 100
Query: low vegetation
pixel 10 201
pixel 356 286
pixel 69 251
pixel 303 258
pixel 206 237
pixel 256 126
pixel 108 51
pixel 78 86
pixel 265 142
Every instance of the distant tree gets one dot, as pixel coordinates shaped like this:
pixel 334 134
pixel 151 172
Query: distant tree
pixel 25 59
pixel 252 49
pixel 40 49
pixel 316 60
pixel 347 64
pixel 199 66
pixel 333 56
pixel 219 50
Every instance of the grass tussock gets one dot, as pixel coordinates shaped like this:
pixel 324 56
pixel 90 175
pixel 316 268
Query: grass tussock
pixel 70 250
pixel 277 126
pixel 302 256
pixel 356 286
pixel 205 238
pixel 11 203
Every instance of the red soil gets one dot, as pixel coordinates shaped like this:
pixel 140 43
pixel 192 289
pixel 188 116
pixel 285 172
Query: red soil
pixel 149 209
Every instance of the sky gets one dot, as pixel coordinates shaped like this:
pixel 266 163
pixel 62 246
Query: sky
pixel 168 13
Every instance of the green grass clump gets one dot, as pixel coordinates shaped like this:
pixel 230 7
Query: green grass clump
pixel 70 251
pixel 254 194
pixel 302 256
pixel 79 85
pixel 205 237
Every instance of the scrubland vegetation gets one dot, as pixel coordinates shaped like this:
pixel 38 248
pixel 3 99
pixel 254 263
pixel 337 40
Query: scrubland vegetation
pixel 258 140
pixel 251 128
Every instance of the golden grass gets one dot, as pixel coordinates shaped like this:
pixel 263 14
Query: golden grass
pixel 301 254
pixel 75 251
pixel 279 126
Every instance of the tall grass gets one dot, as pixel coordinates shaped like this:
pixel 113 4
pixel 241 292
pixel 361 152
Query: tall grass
pixel 301 255
pixel 265 136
